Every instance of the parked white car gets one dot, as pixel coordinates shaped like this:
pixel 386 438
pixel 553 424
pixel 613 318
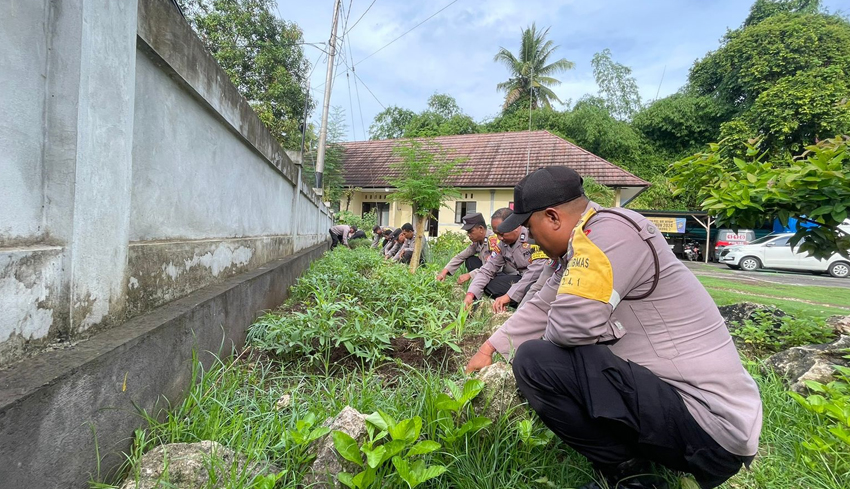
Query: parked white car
pixel 774 251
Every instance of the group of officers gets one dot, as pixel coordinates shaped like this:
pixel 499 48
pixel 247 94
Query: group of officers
pixel 614 342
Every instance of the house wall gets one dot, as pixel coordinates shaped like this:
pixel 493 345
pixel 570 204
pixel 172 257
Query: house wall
pixel 487 200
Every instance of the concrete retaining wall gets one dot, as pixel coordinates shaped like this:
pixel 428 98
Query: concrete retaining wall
pixel 144 211
pixel 131 171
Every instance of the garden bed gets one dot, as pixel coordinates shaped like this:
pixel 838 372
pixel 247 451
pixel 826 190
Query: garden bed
pixel 361 332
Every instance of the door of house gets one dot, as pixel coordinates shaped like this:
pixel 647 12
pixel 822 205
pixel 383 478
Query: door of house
pixel 432 223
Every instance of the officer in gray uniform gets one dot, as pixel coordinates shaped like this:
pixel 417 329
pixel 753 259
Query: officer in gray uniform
pixel 635 363
pixel 513 252
pixel 341 233
pixel 404 251
pixel 483 241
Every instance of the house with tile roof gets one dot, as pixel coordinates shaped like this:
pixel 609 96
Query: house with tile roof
pixel 495 163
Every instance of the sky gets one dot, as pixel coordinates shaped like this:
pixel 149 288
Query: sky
pixel 453 51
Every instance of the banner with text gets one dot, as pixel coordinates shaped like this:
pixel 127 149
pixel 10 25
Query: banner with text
pixel 669 224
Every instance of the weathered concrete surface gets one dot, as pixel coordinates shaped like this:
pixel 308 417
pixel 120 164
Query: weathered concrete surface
pixel 122 141
pixel 161 271
pixel 52 404
pixel 30 299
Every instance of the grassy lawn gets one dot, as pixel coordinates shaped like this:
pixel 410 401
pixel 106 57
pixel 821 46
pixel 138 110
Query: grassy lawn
pixel 825 301
pixel 336 344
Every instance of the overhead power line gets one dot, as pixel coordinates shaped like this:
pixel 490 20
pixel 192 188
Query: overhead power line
pixel 407 32
pixel 361 17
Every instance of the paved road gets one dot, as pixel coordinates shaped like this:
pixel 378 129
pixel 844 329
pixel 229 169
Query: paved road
pixel 766 276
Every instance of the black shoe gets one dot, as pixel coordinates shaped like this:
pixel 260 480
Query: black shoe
pixel 645 482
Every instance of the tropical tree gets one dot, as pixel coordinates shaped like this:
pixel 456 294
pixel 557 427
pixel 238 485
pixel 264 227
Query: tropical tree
pixel 262 55
pixel 617 87
pixel 531 71
pixel 421 180
pixel 442 117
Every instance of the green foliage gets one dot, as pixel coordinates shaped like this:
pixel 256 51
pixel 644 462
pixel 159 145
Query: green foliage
pixel 533 436
pixel 332 179
pixel 455 416
pixel 263 56
pixel 617 86
pixel 681 123
pixel 531 73
pixel 831 403
pixel 365 222
pixel 356 300
pixel 747 193
pixel 390 123
pixel 422 180
pixel 401 448
pixel 781 76
pixel 448 245
pixel 763 9
pixel 766 333
pixel 598 193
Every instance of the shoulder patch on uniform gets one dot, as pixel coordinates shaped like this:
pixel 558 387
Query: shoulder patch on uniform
pixel 589 273
pixel 493 241
pixel 537 254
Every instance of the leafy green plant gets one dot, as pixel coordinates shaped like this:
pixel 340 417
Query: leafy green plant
pixel 531 436
pixel 297 441
pixel 767 333
pixel 453 408
pixel 403 435
pixel 831 403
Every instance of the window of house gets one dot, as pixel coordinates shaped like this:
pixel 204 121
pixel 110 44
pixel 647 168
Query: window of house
pixel 462 209
pixel 382 211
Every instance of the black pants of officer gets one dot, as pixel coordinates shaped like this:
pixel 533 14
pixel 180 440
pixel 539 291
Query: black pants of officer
pixel 405 257
pixel 473 263
pixel 359 234
pixel 500 284
pixel 335 239
pixel 611 410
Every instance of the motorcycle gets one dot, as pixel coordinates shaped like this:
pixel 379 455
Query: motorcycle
pixel 692 252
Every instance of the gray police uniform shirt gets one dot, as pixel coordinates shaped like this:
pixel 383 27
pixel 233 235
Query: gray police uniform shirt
pixel 481 250
pixel 521 257
pixel 376 240
pixel 409 245
pixel 549 269
pixel 342 231
pixel 676 332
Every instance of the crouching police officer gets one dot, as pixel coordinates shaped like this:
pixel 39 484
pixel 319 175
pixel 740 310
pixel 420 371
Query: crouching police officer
pixel 483 241
pixel 635 363
pixel 513 252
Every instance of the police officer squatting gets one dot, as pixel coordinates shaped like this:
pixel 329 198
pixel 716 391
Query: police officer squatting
pixel 620 351
pixel 615 344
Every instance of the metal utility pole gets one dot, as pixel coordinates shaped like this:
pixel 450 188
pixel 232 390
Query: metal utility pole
pixel 323 132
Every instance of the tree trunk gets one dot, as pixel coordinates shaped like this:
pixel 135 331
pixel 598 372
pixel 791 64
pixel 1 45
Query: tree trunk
pixel 417 246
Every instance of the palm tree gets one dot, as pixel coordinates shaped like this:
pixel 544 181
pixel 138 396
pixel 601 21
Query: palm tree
pixel 531 73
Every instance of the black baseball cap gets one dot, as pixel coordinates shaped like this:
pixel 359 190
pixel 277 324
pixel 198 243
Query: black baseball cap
pixel 545 187
pixel 472 220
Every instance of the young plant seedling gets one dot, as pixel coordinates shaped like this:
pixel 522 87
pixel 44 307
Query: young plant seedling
pixel 452 408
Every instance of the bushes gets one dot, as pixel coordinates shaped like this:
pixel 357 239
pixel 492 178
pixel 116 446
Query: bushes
pixel 357 300
pixel 768 333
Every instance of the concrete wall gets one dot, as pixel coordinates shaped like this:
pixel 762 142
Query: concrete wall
pixel 132 172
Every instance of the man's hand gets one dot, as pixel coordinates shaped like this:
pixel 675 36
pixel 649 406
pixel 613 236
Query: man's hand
pixel 482 358
pixel 442 275
pixel 468 300
pixel 463 278
pixel 500 304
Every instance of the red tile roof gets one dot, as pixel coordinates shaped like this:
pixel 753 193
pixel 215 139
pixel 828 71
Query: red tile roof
pixel 496 160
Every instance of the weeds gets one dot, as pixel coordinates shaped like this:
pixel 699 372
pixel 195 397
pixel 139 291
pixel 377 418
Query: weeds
pixel 767 333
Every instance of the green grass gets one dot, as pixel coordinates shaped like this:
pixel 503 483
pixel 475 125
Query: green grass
pixel 835 296
pixel 235 403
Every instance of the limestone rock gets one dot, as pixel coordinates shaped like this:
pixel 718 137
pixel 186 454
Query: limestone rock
pixel 328 463
pixel 188 466
pixel 284 402
pixel 841 324
pixel 500 394
pixel 745 310
pixel 497 320
pixel 813 362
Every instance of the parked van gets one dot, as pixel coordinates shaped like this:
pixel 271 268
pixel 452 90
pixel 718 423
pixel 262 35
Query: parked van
pixel 731 237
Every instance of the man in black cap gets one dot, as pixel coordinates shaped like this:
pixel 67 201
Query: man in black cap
pixel 514 265
pixel 483 241
pixel 635 363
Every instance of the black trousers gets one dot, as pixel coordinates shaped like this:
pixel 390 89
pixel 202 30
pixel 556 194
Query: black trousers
pixel 472 263
pixel 500 284
pixel 335 238
pixel 405 257
pixel 611 410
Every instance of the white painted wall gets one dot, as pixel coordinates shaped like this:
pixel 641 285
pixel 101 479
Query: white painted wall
pixel 131 171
